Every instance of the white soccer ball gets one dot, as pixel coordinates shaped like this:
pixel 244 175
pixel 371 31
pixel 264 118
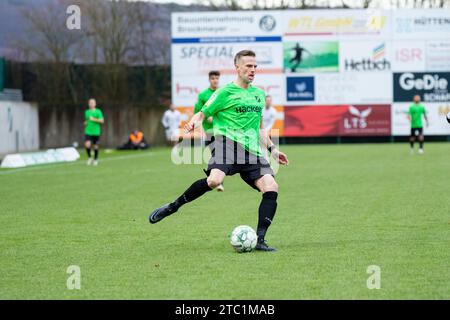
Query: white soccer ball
pixel 448 117
pixel 243 239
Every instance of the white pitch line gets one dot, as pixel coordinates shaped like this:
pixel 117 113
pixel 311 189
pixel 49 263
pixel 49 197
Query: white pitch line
pixel 78 162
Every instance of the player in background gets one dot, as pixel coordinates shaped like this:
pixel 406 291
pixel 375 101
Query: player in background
pixel 213 77
pixel 92 130
pixel 269 115
pixel 236 109
pixel 171 121
pixel 415 114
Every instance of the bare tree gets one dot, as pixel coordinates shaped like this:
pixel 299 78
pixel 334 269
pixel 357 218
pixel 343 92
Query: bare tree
pixel 109 26
pixel 48 37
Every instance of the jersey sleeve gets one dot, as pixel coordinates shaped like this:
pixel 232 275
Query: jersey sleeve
pixel 215 103
pixel 200 102
pixel 100 114
pixel 86 115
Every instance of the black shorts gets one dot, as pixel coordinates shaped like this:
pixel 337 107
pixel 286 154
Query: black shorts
pixel 416 131
pixel 92 139
pixel 230 157
pixel 209 141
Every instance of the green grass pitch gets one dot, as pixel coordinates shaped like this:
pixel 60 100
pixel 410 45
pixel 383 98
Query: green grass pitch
pixel 341 208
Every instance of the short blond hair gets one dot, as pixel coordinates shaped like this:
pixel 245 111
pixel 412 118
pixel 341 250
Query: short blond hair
pixel 243 53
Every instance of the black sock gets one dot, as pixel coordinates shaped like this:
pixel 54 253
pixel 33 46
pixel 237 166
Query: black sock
pixel 421 144
pixel 88 150
pixel 95 154
pixel 411 143
pixel 267 210
pixel 196 190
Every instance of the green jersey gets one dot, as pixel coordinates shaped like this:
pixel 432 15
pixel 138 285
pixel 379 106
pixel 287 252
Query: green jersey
pixel 202 98
pixel 237 114
pixel 416 111
pixel 93 128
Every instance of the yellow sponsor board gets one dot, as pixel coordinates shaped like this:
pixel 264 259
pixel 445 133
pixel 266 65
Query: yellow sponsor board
pixel 319 24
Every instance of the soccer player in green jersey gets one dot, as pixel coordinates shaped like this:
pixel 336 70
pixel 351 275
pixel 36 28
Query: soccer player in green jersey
pixel 236 109
pixel 92 130
pixel 213 77
pixel 415 114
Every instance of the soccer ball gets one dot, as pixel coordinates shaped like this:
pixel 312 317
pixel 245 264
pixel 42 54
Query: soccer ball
pixel 448 117
pixel 243 239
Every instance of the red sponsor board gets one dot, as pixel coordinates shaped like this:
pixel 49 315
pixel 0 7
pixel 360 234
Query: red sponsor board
pixel 337 120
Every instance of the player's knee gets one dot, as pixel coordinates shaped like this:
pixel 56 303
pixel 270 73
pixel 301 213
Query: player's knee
pixel 213 182
pixel 271 185
pixel 87 144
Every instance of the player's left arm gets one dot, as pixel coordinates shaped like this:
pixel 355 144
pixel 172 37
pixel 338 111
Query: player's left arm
pixel 425 117
pixel 98 120
pixel 267 143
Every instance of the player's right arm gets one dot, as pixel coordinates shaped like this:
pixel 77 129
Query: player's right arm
pixel 200 102
pixel 199 105
pixel 195 121
pixel 165 121
pixel 211 107
pixel 86 118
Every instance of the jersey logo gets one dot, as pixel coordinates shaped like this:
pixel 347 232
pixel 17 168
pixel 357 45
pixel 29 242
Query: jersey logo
pixel 245 109
pixel 258 98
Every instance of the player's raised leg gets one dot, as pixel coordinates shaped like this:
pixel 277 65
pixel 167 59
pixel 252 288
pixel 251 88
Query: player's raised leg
pixel 267 208
pixel 196 190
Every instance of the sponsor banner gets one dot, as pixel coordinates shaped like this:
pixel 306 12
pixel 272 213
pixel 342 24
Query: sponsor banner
pixel 199 59
pixel 278 126
pixel 337 120
pixel 420 56
pixel 354 87
pixel 185 89
pixel 188 112
pixel 438 55
pixel 409 56
pixel 342 23
pixel 234 24
pixel 300 89
pixel 421 24
pixel 366 120
pixel 271 84
pixel 312 121
pixel 430 86
pixel 19 160
pixel 307 57
pixel 365 56
pixel 436 112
